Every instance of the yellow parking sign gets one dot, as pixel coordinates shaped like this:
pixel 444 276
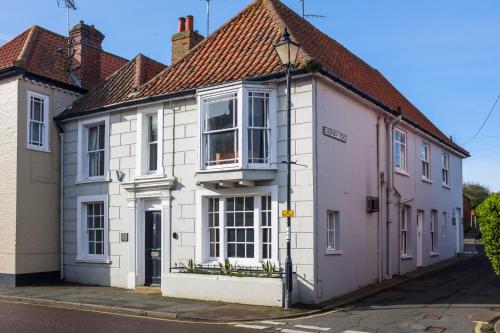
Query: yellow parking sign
pixel 287 213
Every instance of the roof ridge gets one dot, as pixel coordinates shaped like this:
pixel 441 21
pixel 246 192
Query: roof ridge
pixel 22 58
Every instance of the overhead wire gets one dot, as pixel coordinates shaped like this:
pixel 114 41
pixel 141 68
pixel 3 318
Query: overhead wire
pixel 484 122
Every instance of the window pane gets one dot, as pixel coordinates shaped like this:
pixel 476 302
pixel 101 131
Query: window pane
pixel 152 128
pixel 221 113
pixel 239 203
pixel 93 138
pixel 222 147
pixel 249 219
pixel 240 235
pixel 258 145
pixel 153 156
pixel 101 136
pixel 239 219
pixel 258 110
pixel 231 253
pixel 249 201
pixel 231 235
pixel 239 231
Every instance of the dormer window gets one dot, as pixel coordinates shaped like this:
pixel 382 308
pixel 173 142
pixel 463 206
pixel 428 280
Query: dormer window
pixel 236 127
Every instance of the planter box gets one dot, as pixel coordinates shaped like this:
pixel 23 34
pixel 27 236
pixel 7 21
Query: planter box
pixel 230 289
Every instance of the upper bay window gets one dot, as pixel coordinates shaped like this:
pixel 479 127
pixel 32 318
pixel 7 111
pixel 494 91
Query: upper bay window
pixel 149 141
pixel 38 121
pixel 93 149
pixel 400 150
pixel 236 127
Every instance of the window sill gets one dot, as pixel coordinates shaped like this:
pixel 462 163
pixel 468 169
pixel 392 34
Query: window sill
pixel 406 257
pixel 90 181
pixel 446 186
pixel 93 261
pixel 434 254
pixel 39 149
pixel 402 173
pixel 333 252
pixel 426 180
pixel 150 176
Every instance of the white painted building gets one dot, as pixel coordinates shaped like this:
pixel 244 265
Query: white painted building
pixel 187 168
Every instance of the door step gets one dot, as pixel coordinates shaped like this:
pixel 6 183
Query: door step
pixel 147 290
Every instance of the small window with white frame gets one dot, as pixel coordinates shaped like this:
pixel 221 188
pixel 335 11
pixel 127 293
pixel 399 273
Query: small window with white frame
pixel 333 230
pixel 400 145
pixel 92 229
pixel 93 149
pixel 38 121
pixel 426 161
pixel 445 162
pixel 149 141
pixel 405 215
pixel 434 232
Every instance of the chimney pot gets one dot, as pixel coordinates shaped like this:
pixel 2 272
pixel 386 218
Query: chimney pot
pixel 182 24
pixel 189 23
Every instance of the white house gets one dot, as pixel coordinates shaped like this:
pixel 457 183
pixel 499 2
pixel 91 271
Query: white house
pixel 186 168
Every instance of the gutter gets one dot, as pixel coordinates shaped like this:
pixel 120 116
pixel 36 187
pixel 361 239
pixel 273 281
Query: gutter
pixel 390 189
pixel 61 202
pixel 16 70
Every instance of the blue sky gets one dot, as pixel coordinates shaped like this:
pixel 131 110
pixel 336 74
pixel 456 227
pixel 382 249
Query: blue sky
pixel 443 55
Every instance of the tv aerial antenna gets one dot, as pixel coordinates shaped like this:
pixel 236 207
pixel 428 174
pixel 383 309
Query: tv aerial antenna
pixel 208 15
pixel 69 5
pixel 309 16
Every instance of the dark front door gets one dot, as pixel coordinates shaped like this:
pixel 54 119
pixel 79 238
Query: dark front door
pixel 153 248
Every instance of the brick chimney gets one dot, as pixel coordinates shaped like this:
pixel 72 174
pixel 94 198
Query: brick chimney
pixel 87 41
pixel 185 39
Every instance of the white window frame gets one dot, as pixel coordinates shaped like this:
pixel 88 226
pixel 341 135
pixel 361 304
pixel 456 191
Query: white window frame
pixel 404 161
pixel 426 160
pixel 433 233
pixel 46 107
pixel 142 151
pixel 82 242
pixel 202 233
pixel 445 169
pixel 82 167
pixel 242 93
pixel 333 246
pixel 405 234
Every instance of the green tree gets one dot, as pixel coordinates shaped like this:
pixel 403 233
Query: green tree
pixel 488 214
pixel 476 193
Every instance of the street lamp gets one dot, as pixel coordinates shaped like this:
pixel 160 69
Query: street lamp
pixel 288 52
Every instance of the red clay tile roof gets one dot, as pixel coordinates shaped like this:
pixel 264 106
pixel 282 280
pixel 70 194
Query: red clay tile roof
pixel 37 51
pixel 119 85
pixel 243 49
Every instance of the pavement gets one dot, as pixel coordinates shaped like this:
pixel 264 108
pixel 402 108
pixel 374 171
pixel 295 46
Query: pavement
pixel 459 295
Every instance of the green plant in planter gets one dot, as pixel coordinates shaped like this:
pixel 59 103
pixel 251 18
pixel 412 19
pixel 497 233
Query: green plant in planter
pixel 268 267
pixel 191 266
pixel 227 268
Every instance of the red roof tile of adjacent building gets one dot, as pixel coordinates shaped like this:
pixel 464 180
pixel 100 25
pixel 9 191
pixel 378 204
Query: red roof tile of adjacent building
pixel 119 86
pixel 43 52
pixel 243 49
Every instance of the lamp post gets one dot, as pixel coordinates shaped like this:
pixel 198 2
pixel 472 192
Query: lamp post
pixel 288 51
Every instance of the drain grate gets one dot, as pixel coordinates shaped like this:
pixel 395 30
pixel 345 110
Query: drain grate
pixel 432 317
pixel 435 329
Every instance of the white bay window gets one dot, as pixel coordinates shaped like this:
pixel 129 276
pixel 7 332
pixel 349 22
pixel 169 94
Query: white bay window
pixel 241 227
pixel 237 127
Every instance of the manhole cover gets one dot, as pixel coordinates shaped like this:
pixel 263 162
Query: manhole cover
pixel 432 317
pixel 435 329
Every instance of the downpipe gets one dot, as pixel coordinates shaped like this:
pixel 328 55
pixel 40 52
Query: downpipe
pixel 61 204
pixel 390 189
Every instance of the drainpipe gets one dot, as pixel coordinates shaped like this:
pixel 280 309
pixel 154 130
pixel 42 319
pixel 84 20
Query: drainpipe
pixel 380 184
pixel 390 188
pixel 61 204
